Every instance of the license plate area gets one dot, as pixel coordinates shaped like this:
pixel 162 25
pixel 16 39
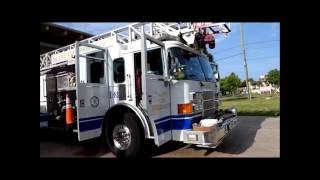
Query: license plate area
pixel 198 137
pixel 192 137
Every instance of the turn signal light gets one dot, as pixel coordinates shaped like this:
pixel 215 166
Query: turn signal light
pixel 185 108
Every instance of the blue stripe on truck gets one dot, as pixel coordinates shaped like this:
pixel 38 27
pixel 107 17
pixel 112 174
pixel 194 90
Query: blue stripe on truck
pixel 95 123
pixel 184 122
pixel 44 117
pixel 176 122
pixel 88 118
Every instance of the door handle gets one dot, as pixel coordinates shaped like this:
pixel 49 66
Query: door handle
pixel 129 87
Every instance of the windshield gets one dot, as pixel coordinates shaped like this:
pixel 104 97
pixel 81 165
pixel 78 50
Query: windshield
pixel 195 67
pixel 190 63
pixel 208 72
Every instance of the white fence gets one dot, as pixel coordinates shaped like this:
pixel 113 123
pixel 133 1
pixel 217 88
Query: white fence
pixel 262 90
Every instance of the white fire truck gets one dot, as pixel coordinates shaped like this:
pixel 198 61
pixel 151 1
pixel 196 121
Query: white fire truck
pixel 142 81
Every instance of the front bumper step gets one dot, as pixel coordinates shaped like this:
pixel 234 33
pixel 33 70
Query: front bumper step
pixel 213 137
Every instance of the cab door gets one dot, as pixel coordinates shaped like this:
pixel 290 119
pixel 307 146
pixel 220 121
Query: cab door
pixel 157 90
pixel 92 89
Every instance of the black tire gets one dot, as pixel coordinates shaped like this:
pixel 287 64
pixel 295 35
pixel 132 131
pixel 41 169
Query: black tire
pixel 137 140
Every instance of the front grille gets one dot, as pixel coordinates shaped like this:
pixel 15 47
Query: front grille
pixel 208 104
pixel 208 113
pixel 207 95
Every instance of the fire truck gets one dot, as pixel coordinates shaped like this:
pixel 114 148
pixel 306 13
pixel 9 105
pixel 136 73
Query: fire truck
pixel 142 81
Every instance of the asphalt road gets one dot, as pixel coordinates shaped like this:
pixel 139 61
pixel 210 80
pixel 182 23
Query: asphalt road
pixel 255 136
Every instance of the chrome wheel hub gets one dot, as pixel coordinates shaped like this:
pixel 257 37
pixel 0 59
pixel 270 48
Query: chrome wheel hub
pixel 121 136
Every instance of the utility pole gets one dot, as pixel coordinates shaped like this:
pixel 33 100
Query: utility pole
pixel 245 60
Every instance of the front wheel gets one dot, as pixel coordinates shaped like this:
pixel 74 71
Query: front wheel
pixel 124 137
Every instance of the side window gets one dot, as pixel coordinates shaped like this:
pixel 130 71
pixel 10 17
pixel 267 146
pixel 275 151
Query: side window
pixel 92 70
pixel 96 72
pixel 118 70
pixel 154 61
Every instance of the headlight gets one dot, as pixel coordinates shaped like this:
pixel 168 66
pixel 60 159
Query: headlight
pixel 231 110
pixel 195 107
pixel 234 111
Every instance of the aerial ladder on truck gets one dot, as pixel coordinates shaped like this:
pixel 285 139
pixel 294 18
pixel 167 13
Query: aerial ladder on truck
pixel 78 78
pixel 195 35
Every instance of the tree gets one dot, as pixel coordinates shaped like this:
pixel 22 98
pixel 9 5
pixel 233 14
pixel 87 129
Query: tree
pixel 251 81
pixel 273 77
pixel 244 84
pixel 223 87
pixel 259 83
pixel 230 83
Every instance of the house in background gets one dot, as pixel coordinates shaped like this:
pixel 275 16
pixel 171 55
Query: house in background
pixel 263 87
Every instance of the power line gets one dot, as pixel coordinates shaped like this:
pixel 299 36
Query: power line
pixel 226 63
pixel 262 42
pixel 264 47
pixel 228 57
pixel 250 59
pixel 226 60
pixel 233 47
pixel 247 44
pixel 254 58
pixel 219 59
pixel 263 57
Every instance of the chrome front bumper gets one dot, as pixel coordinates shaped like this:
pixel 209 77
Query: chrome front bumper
pixel 214 137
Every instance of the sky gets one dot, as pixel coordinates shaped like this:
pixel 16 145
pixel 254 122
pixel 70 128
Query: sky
pixel 261 41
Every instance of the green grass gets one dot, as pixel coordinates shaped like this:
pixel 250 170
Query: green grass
pixel 258 106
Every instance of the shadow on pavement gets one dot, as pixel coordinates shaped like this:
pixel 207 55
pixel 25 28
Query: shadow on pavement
pixel 151 150
pixel 58 136
pixel 92 148
pixel 242 136
pixel 71 147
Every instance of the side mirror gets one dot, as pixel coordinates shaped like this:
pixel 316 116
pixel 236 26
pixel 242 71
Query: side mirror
pixel 181 67
pixel 180 73
pixel 174 65
pixel 217 76
pixel 176 70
